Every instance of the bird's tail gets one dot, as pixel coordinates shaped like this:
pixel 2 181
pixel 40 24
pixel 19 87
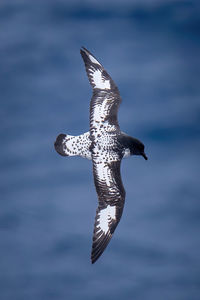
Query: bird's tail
pixel 68 145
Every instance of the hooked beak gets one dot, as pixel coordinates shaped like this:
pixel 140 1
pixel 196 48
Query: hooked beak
pixel 144 155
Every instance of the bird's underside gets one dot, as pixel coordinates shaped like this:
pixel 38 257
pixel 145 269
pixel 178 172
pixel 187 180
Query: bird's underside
pixel 102 145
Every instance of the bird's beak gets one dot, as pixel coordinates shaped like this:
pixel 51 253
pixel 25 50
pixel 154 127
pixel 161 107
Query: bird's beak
pixel 144 155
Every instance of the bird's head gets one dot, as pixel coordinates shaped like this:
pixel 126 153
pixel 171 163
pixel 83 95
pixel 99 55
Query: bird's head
pixel 137 148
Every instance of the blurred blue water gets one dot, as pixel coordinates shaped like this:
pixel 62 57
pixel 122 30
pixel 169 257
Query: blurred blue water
pixel 48 203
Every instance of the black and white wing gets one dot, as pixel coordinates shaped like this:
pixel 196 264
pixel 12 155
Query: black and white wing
pixel 111 196
pixel 106 98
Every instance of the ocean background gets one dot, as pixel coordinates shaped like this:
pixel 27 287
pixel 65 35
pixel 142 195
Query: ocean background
pixel 48 202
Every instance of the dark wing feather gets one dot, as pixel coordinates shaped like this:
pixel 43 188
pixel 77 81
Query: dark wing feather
pixel 111 196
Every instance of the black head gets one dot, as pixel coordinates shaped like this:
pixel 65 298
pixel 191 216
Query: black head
pixel 137 148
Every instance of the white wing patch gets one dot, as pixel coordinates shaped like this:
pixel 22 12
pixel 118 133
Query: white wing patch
pixel 99 81
pixel 106 216
pixel 94 60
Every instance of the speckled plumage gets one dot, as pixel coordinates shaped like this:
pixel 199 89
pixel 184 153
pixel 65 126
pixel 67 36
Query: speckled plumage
pixel 106 145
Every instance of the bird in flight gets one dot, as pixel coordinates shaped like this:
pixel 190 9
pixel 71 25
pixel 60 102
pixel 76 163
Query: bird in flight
pixel 105 144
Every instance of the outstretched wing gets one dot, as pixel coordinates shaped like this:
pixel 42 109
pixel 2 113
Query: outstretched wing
pixel 111 196
pixel 106 98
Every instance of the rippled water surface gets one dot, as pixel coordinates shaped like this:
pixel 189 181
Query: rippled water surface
pixel 48 202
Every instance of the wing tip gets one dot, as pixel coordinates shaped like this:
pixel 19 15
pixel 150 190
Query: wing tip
pixel 82 50
pixel 85 50
pixel 88 56
pixel 99 248
pixel 98 76
pixel 95 257
pixel 93 260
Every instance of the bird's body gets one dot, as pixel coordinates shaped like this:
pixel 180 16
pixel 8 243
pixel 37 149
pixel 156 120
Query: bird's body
pixel 105 145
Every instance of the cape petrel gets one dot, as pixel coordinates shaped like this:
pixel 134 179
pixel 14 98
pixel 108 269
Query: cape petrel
pixel 105 144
